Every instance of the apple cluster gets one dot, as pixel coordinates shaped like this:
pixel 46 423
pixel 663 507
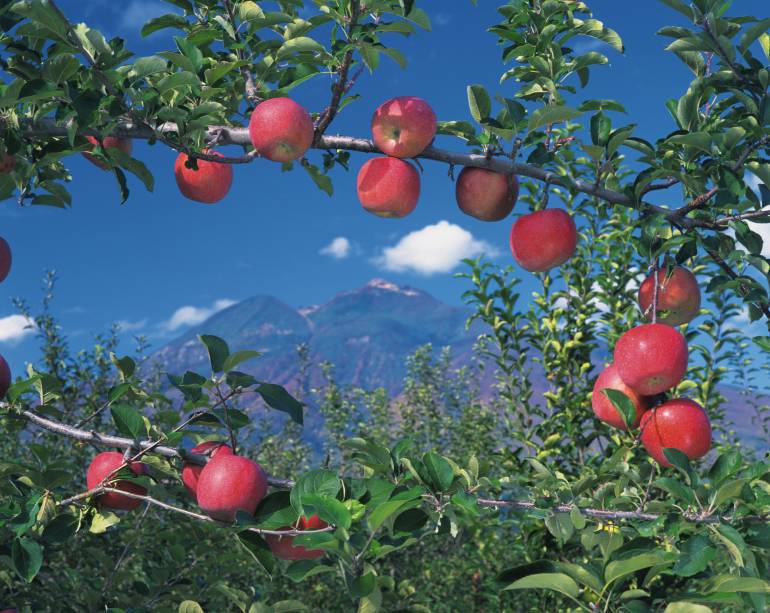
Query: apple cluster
pixel 650 360
pixel 226 484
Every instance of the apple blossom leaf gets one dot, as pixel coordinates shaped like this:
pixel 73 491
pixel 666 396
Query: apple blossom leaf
pixel 687 607
pixel 726 465
pixel 763 342
pixel 102 520
pixel 323 181
pixel 259 549
pixel 550 115
pixel 329 509
pixel 438 472
pixel 275 511
pixel 190 606
pixel 217 349
pixel 623 405
pixel 681 462
pixel 27 557
pixel 299 570
pixel 169 20
pixel 279 399
pixel 234 359
pixel 620 568
pixel 319 481
pixel 694 556
pixel 127 420
pixel 479 102
pixel 556 582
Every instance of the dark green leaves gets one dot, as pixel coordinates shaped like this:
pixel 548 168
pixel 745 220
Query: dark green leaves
pixel 479 102
pixel 218 351
pixel 315 482
pixel 695 556
pixel 550 115
pixel 278 398
pixel 128 421
pixel 27 558
pixel 623 404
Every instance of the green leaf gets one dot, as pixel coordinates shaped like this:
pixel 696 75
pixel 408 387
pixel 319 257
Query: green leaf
pixel 687 607
pixel 550 115
pixel 43 14
pixel 299 570
pixel 279 399
pixel 164 21
pixel 234 359
pixel 217 349
pixel 761 170
pixel 479 102
pixel 439 472
pixel 27 557
pixel 621 568
pixel 726 465
pixel 329 509
pixel 301 44
pixel 321 180
pixel 753 33
pixel 419 17
pixel 680 6
pixel 557 582
pixel 733 583
pixel 318 481
pixel 694 556
pixel 386 510
pixel 146 66
pixel 623 404
pixel 127 420
pixel 190 606
pixel 728 492
pixel 178 81
pixel 258 548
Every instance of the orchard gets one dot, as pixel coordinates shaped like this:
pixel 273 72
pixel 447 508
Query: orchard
pixel 619 487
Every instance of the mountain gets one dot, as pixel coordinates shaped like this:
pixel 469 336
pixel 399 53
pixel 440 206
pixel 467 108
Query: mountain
pixel 366 333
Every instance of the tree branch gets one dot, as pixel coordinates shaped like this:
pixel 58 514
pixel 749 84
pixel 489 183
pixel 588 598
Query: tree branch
pixel 250 88
pixel 169 507
pixel 341 85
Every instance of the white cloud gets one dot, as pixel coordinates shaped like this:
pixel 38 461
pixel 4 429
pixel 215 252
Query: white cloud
pixel 132 326
pixel 139 12
pixel 338 249
pixel 434 249
pixel 192 316
pixel 14 328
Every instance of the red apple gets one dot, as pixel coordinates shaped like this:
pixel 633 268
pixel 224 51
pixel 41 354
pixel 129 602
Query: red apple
pixel 8 611
pixel 5 377
pixel 543 239
pixel 485 194
pixel 101 466
pixel 679 424
pixel 5 259
pixel 651 358
pixel 108 142
pixel 191 472
pixel 230 483
pixel 281 130
pixel 7 164
pixel 402 127
pixel 603 407
pixel 209 184
pixel 283 547
pixel 388 187
pixel 678 295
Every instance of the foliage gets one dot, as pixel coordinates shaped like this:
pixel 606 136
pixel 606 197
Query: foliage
pixel 441 499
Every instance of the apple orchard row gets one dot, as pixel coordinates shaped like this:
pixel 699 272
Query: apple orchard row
pixel 649 359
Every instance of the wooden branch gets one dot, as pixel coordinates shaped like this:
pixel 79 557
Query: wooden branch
pixel 341 85
pixel 115 441
pixel 192 514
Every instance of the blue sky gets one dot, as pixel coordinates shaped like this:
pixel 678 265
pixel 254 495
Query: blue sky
pixel 161 262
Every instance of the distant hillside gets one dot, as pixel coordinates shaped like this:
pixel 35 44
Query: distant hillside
pixel 367 334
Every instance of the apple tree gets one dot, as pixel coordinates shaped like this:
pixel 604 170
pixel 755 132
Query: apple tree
pixel 620 487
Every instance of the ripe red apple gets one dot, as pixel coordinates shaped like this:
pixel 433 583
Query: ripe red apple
pixel 105 463
pixel 402 127
pixel 5 259
pixel 485 194
pixel 603 407
pixel 543 239
pixel 7 164
pixel 388 187
pixel 679 424
pixel 209 184
pixel 230 483
pixel 651 358
pixel 283 547
pixel 678 295
pixel 191 472
pixel 281 130
pixel 108 142
pixel 5 377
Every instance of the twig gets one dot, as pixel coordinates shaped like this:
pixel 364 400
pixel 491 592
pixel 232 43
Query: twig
pixel 169 507
pixel 250 88
pixel 341 85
